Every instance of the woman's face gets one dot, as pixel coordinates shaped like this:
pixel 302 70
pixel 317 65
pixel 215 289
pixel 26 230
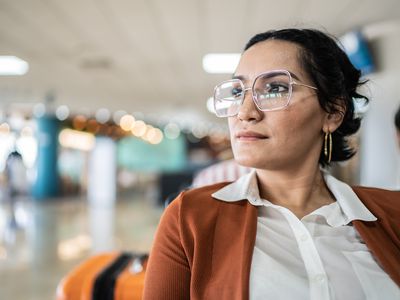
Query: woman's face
pixel 282 139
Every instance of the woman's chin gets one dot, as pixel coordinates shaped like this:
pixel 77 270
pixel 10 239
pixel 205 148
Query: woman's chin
pixel 261 162
pixel 247 161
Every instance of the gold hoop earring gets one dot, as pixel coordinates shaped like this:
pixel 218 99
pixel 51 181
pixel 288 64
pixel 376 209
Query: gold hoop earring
pixel 328 146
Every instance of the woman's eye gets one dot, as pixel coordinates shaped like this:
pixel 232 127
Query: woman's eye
pixel 276 88
pixel 236 92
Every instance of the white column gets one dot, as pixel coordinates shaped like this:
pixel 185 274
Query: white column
pixel 102 193
pixel 102 171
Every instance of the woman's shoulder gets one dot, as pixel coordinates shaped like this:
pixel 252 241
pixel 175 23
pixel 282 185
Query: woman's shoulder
pixel 198 204
pixel 194 212
pixel 196 198
pixel 387 200
pixel 377 192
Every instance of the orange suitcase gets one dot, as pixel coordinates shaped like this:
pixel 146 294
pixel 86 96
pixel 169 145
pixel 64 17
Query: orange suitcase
pixel 108 276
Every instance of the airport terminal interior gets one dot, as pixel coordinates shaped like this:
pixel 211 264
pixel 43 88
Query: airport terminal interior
pixel 106 114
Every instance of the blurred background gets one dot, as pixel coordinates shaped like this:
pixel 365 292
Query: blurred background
pixel 105 114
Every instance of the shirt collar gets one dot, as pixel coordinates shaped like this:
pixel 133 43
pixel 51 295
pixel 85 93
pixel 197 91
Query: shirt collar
pixel 349 203
pixel 245 188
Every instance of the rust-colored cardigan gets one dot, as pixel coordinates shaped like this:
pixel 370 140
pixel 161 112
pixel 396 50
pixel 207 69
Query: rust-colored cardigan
pixel 203 247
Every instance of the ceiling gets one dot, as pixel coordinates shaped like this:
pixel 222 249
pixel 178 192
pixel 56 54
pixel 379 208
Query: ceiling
pixel 146 55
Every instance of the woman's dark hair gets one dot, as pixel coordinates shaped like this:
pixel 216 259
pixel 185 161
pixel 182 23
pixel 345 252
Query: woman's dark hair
pixel 333 74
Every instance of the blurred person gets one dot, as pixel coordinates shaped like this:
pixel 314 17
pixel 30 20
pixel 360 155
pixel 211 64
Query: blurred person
pixel 288 229
pixel 226 170
pixel 16 182
pixel 397 125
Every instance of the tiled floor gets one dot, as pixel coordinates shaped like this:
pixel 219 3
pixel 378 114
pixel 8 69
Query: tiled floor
pixel 54 236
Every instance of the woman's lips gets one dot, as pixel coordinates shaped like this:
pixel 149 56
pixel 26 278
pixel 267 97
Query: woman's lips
pixel 250 136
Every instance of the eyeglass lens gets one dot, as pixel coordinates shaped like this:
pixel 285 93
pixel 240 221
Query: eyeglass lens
pixel 270 90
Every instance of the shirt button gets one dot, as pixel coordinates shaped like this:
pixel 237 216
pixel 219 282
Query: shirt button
pixel 319 278
pixel 303 237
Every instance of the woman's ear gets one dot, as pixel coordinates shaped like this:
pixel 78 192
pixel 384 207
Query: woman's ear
pixel 334 118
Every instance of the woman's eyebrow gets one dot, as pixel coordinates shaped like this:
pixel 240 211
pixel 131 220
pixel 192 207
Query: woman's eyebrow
pixel 294 75
pixel 243 78
pixel 238 77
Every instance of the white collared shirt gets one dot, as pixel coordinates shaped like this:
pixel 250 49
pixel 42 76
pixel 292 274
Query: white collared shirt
pixel 319 257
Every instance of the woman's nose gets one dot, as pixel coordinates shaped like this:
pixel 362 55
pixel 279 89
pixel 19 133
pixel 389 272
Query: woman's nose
pixel 248 111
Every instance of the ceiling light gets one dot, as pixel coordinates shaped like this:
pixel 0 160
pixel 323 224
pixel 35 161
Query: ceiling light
pixel 220 63
pixel 103 115
pixel 172 131
pixel 127 122
pixel 154 136
pixel 12 65
pixel 62 112
pixel 4 128
pixel 139 128
pixel 39 110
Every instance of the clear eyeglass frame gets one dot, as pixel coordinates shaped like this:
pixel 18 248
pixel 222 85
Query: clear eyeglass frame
pixel 238 102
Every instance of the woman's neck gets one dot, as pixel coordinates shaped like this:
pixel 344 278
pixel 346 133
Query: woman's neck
pixel 301 191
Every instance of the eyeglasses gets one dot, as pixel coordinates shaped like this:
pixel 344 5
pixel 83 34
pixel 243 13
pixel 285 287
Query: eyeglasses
pixel 271 90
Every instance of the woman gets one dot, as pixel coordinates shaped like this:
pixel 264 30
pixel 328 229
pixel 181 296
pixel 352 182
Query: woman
pixel 287 230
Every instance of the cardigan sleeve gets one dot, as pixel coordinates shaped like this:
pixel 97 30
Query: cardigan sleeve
pixel 168 272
